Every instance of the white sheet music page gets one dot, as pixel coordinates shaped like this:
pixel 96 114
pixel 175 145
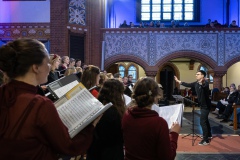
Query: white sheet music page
pixel 64 89
pixel 224 102
pixel 78 109
pixel 128 99
pixel 170 113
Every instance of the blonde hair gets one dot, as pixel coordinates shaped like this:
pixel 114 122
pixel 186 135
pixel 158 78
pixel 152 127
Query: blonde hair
pixel 109 75
pixel 70 71
pixel 53 59
pixel 103 78
pixel 79 69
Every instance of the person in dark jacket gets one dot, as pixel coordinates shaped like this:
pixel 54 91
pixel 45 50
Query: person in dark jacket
pixel 202 89
pixel 108 140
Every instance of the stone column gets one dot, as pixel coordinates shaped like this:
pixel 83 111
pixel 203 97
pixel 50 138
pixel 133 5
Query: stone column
pixel 151 71
pixel 217 79
pixel 151 74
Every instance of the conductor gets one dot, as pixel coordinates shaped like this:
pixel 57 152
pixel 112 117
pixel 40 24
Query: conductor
pixel 202 89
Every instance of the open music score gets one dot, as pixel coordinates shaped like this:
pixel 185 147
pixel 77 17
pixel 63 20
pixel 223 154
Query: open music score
pixel 78 108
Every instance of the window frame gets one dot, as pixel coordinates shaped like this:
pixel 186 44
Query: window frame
pixel 127 66
pixel 196 12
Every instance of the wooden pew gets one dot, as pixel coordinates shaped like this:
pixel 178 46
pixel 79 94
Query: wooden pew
pixel 216 97
pixel 235 122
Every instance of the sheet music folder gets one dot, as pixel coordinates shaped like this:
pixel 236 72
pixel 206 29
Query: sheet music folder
pixel 78 108
pixel 57 89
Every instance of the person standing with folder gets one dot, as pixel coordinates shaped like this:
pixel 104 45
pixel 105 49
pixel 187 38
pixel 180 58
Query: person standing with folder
pixel 30 127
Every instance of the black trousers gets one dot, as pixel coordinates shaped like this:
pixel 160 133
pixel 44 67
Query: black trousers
pixel 228 112
pixel 221 107
pixel 204 122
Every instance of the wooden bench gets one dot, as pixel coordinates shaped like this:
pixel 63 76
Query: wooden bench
pixel 235 122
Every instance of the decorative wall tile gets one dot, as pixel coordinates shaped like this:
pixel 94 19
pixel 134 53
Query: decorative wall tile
pixel 1 32
pixel 168 43
pixel 221 45
pixel 152 47
pixel 77 12
pixel 127 44
pixel 30 30
pixel 232 46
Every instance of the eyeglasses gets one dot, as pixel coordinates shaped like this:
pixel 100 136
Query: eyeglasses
pixel 198 74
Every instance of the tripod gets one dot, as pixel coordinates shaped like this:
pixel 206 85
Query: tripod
pixel 193 134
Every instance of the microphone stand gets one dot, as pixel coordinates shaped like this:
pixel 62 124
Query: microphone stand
pixel 193 134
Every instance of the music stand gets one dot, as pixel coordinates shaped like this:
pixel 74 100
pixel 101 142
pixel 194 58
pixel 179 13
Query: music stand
pixel 193 132
pixel 179 98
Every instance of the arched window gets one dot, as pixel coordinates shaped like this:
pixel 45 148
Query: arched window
pixel 208 75
pixel 122 70
pixel 133 71
pixel 128 68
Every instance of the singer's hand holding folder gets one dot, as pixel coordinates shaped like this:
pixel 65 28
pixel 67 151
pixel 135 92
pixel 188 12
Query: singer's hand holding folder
pixel 78 108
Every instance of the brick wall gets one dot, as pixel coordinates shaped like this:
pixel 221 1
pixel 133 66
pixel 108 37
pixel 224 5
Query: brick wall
pixel 93 40
pixel 60 29
pixel 58 23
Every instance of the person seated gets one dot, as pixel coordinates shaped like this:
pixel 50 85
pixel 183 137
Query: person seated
pixel 216 24
pixel 238 109
pixel 209 21
pixel 151 24
pixel 226 109
pixel 158 24
pixel 173 25
pixel 132 25
pixel 141 25
pixel 221 106
pixel 211 25
pixel 226 90
pixel 124 25
pixel 146 24
pixel 233 24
